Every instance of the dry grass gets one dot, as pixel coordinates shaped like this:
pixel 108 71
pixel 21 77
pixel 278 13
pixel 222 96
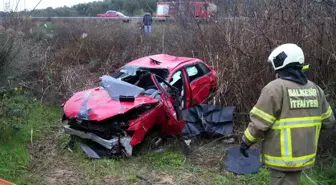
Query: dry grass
pixel 56 61
pixel 237 48
pixel 63 62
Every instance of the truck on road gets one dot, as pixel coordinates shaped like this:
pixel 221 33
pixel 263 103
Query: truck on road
pixel 202 9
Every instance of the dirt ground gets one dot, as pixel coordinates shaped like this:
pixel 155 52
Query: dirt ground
pixel 51 162
pixel 47 162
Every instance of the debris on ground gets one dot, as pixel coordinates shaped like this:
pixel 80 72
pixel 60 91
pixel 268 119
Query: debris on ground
pixel 229 141
pixel 89 152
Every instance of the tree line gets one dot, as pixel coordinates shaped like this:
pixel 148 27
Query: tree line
pixel 249 8
pixel 128 7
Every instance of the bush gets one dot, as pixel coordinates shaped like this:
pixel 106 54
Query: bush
pixel 7 50
pixel 14 112
pixel 238 48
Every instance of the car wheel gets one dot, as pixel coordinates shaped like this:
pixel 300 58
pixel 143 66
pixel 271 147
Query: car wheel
pixel 152 141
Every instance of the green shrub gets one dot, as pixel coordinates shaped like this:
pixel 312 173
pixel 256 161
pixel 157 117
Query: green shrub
pixel 7 49
pixel 14 112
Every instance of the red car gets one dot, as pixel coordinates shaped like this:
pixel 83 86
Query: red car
pixel 114 14
pixel 143 97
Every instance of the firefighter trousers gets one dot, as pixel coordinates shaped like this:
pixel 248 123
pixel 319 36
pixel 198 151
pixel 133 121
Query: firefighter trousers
pixel 284 178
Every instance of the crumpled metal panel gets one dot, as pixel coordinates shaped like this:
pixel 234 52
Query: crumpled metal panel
pixel 96 104
pixel 89 151
pixel 93 137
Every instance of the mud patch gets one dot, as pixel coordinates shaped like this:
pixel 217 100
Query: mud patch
pixel 59 176
pixel 115 180
pixel 209 152
pixel 158 178
pixel 163 178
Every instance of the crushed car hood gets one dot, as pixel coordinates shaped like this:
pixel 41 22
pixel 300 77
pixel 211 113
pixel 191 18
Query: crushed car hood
pixel 103 102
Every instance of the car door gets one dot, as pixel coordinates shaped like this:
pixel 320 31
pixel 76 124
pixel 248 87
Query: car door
pixel 199 78
pixel 167 100
pixel 175 121
pixel 179 80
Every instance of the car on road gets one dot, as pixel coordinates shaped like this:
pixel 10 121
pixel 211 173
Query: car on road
pixel 114 14
pixel 140 103
pixel 201 9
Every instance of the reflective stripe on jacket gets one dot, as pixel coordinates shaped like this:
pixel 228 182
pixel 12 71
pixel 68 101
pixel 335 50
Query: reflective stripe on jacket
pixel 288 117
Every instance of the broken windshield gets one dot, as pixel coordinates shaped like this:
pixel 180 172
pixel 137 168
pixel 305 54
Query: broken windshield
pixel 140 76
pixel 117 88
pixel 128 70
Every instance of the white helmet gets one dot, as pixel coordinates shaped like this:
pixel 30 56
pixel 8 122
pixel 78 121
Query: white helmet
pixel 286 54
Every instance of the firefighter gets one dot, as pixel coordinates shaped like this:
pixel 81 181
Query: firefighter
pixel 288 116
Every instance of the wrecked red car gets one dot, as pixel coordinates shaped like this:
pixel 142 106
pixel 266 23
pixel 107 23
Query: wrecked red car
pixel 144 96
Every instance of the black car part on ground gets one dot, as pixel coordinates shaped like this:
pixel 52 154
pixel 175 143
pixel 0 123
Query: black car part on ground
pixel 237 163
pixel 207 120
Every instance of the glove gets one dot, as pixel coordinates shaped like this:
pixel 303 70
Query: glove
pixel 243 148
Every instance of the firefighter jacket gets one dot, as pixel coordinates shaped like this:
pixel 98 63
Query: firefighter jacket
pixel 288 117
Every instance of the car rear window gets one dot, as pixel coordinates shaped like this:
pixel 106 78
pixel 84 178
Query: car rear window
pixel 197 70
pixel 204 68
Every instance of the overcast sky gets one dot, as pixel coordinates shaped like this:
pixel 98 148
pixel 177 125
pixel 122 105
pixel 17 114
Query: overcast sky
pixel 30 4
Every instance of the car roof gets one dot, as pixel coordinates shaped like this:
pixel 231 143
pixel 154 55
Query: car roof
pixel 161 61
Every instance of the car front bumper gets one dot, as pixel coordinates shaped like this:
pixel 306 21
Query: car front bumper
pixel 108 144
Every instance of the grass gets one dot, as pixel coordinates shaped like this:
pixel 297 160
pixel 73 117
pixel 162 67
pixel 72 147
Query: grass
pixel 172 166
pixel 14 154
pixel 61 166
pixel 62 63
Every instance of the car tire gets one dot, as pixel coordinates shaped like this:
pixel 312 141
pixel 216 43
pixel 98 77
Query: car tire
pixel 152 141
